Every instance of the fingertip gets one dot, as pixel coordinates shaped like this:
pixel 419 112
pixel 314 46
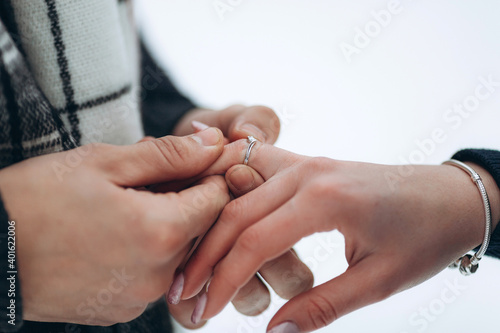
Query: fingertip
pixel 253 298
pixel 198 126
pixel 209 137
pixel 242 179
pixel 285 327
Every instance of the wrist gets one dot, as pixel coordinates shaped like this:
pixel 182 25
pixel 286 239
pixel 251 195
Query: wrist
pixel 492 190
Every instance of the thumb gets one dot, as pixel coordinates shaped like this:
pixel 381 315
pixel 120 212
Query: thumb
pixel 359 286
pixel 164 159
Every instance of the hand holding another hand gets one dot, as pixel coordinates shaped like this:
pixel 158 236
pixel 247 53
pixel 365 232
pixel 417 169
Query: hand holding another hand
pixel 93 247
pixel 287 275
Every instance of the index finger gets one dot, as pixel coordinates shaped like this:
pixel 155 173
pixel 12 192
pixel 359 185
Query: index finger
pixel 178 218
pixel 266 159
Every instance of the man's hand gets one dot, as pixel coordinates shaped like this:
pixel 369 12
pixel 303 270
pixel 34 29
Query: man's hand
pixel 235 122
pixel 94 247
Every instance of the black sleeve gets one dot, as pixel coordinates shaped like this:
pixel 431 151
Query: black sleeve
pixel 490 160
pixel 162 104
pixel 10 294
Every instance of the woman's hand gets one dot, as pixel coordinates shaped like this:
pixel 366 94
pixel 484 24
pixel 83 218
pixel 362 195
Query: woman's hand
pixel 397 234
pixel 236 122
pixel 93 246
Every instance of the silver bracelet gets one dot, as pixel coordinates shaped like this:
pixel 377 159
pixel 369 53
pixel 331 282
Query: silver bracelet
pixel 468 264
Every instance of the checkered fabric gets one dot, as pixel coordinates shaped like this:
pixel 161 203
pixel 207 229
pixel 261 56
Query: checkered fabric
pixel 69 73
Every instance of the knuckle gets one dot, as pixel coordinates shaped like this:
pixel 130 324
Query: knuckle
pixel 172 150
pixel 162 240
pixel 233 211
pixel 250 240
pixel 319 164
pixel 319 190
pixel 320 311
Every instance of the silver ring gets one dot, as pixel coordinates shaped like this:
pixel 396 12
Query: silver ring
pixel 251 142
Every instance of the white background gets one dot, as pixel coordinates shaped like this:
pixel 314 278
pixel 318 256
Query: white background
pixel 286 54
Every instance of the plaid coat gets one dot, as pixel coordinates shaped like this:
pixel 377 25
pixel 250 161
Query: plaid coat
pixel 71 73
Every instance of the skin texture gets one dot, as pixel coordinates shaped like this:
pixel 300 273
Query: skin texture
pixel 428 219
pixel 287 274
pixel 236 122
pixel 93 232
pixel 97 217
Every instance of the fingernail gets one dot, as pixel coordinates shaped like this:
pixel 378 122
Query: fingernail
pixel 199 309
pixel 174 295
pixel 209 137
pixel 199 126
pixel 254 131
pixel 286 327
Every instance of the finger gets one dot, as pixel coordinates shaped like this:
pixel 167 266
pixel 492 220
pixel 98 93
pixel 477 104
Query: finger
pixel 199 126
pixel 242 179
pixel 182 311
pixel 146 138
pixel 251 250
pixel 189 213
pixel 258 121
pixel 235 218
pixel 367 282
pixel 253 298
pixel 266 159
pixel 162 159
pixel 287 275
